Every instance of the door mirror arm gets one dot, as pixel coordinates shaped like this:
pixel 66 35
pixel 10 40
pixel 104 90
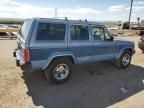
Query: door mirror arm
pixel 112 38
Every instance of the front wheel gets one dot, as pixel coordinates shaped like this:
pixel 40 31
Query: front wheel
pixel 59 71
pixel 125 60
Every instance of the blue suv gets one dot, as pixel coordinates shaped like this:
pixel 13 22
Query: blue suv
pixel 53 46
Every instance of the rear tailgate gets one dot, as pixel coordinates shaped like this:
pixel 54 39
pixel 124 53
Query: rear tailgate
pixel 18 53
pixel 22 41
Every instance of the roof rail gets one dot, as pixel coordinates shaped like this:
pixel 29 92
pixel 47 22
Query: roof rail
pixel 65 18
pixel 83 21
pixel 86 20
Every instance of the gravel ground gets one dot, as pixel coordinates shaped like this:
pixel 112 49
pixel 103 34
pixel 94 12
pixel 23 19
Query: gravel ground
pixel 96 85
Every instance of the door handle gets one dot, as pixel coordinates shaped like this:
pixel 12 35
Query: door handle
pixel 74 44
pixel 96 43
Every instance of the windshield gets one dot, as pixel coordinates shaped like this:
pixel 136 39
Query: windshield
pixel 25 29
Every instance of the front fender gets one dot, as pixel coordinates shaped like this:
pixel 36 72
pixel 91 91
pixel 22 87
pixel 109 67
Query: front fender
pixel 122 50
pixel 58 54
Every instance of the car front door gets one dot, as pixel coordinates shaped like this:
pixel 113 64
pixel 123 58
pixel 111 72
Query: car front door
pixel 79 42
pixel 103 46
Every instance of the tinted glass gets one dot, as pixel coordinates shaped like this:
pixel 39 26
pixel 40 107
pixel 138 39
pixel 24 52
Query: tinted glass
pixel 79 32
pixel 51 31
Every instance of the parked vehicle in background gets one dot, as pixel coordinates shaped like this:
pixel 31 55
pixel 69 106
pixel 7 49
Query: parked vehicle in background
pixel 141 27
pixel 135 26
pixel 126 25
pixel 54 45
pixel 141 41
pixel 123 25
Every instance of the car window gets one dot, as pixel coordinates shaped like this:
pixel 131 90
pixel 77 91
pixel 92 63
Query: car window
pixel 79 32
pixel 107 36
pixel 100 34
pixel 51 31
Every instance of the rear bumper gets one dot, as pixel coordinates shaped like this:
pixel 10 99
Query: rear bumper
pixel 27 67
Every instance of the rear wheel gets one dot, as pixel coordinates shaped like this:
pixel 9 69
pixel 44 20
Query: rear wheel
pixel 125 60
pixel 59 70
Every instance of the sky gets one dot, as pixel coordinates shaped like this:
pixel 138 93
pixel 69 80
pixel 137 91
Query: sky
pixel 98 10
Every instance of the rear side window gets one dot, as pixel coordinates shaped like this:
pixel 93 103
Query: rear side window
pixel 79 32
pixel 51 31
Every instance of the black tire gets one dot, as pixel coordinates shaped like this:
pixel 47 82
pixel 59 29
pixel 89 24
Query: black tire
pixel 120 63
pixel 50 71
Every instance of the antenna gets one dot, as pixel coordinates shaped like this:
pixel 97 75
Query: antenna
pixel 55 12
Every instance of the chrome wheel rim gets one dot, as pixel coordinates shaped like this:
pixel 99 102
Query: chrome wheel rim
pixel 126 59
pixel 61 71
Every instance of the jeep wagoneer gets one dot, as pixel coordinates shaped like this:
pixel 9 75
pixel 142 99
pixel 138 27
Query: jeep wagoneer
pixel 54 45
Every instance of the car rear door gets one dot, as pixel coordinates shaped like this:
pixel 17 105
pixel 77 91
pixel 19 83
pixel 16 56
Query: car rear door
pixel 80 42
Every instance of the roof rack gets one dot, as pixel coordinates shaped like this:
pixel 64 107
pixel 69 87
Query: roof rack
pixel 85 20
pixel 65 18
pixel 62 18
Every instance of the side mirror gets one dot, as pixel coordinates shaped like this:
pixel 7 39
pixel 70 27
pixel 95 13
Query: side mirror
pixel 110 39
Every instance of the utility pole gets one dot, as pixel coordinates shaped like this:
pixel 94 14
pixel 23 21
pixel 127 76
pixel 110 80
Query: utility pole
pixel 55 12
pixel 130 12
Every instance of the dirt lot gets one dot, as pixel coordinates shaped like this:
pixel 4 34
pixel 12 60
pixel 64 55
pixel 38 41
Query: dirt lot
pixel 97 85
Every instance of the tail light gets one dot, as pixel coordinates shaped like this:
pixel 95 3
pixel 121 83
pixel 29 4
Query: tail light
pixel 26 55
pixel 142 38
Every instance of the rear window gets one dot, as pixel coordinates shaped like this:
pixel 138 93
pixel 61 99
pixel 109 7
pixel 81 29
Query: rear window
pixel 25 29
pixel 51 31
